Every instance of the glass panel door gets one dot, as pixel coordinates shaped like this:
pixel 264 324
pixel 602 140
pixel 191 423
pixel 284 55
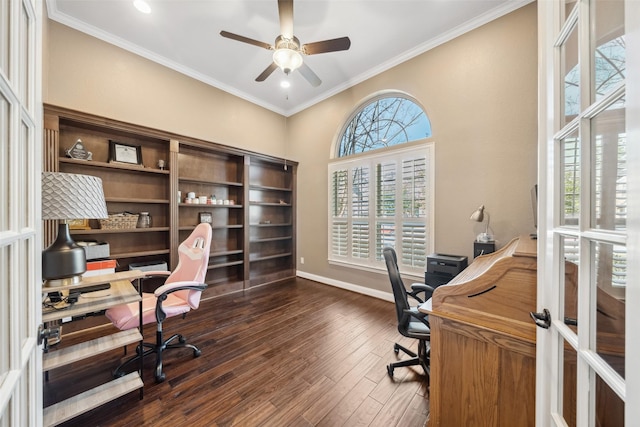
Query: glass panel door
pixel 585 246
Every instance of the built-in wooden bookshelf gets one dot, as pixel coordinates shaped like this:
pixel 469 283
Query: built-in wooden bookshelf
pixel 272 221
pixel 253 217
pixel 217 177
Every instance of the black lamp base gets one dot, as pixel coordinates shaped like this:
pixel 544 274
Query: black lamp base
pixel 64 262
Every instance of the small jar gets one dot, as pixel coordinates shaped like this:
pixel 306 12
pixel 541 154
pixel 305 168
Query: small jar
pixel 144 220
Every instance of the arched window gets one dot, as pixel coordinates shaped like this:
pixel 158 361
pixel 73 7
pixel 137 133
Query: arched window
pixel 383 196
pixel 383 122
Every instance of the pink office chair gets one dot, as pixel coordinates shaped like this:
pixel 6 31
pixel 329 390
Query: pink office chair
pixel 180 293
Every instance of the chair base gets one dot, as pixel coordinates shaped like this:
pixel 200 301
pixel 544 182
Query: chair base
pixel 422 358
pixel 157 350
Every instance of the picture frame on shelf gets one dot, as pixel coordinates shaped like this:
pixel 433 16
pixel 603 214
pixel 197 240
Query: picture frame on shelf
pixel 206 217
pixel 119 152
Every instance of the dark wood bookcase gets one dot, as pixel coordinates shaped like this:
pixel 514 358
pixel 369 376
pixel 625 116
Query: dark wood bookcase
pixel 253 218
pixel 271 220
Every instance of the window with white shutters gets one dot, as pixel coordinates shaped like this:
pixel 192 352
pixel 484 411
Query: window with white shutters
pixel 383 199
pixel 381 187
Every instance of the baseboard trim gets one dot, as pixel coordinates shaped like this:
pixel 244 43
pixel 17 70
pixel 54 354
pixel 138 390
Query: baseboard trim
pixel 386 296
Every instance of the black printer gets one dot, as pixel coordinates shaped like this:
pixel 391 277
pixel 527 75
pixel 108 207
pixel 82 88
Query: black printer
pixel 441 268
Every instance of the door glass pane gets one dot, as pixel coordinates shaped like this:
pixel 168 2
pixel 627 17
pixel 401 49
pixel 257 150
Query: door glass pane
pixel 569 366
pixel 568 7
pixel 610 265
pixel 609 56
pixel 4 37
pixel 570 271
pixel 5 132
pixel 570 159
pixel 609 407
pixel 26 56
pixel 609 168
pixel 571 74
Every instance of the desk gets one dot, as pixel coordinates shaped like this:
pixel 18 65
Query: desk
pixel 121 292
pixel 483 341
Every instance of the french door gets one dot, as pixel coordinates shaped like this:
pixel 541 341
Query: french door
pixel 20 230
pixel 589 183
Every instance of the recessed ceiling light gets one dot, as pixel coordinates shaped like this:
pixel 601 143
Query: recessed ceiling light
pixel 285 84
pixel 142 6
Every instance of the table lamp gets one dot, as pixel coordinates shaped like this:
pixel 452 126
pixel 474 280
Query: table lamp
pixel 478 216
pixel 68 196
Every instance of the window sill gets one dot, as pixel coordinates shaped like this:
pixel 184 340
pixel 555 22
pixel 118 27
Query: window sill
pixel 409 275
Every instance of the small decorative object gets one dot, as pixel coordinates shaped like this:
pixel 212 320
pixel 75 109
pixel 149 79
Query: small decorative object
pixel 161 164
pixel 205 217
pixel 77 151
pixel 144 220
pixel 125 153
pixel 79 224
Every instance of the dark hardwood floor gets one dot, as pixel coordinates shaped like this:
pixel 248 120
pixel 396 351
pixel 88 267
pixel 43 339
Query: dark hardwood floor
pixel 296 353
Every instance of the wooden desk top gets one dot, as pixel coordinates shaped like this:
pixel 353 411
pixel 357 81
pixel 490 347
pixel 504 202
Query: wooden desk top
pixel 97 280
pixel 497 291
pixel 121 292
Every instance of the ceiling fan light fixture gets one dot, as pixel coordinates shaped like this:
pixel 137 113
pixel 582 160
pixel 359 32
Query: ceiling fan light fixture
pixel 142 6
pixel 287 59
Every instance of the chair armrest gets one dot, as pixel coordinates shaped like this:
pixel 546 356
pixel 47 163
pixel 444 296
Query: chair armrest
pixel 417 288
pixel 422 317
pixel 163 291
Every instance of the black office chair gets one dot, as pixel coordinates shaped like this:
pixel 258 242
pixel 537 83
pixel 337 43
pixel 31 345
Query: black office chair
pixel 411 323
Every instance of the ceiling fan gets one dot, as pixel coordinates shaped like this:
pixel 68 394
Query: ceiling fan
pixel 287 48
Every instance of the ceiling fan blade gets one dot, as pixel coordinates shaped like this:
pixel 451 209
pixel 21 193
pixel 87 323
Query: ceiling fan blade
pixel 333 45
pixel 285 10
pixel 267 72
pixel 309 75
pixel 246 40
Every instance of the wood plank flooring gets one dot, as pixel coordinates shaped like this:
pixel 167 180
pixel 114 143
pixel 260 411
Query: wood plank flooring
pixel 296 353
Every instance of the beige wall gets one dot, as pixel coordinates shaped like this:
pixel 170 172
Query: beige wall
pixel 479 92
pixel 86 74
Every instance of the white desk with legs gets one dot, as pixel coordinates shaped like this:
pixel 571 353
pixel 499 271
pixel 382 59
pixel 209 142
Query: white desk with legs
pixel 121 291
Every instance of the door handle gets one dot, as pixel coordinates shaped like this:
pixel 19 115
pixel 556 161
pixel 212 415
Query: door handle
pixel 543 319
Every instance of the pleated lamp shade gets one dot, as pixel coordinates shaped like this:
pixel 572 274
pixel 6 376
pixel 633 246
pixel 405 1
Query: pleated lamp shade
pixel 68 196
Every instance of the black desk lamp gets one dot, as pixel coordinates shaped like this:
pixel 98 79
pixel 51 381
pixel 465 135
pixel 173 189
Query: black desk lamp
pixel 68 196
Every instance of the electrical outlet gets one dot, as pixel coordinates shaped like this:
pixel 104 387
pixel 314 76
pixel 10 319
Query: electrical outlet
pixel 301 260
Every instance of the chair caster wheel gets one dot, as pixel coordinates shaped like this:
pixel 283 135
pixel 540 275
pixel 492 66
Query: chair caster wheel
pixel 160 378
pixel 390 370
pixel 181 339
pixel 196 353
pixel 396 349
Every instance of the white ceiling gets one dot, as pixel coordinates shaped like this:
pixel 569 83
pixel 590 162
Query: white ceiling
pixel 185 35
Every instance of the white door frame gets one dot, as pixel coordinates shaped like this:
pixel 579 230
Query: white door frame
pixel 20 216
